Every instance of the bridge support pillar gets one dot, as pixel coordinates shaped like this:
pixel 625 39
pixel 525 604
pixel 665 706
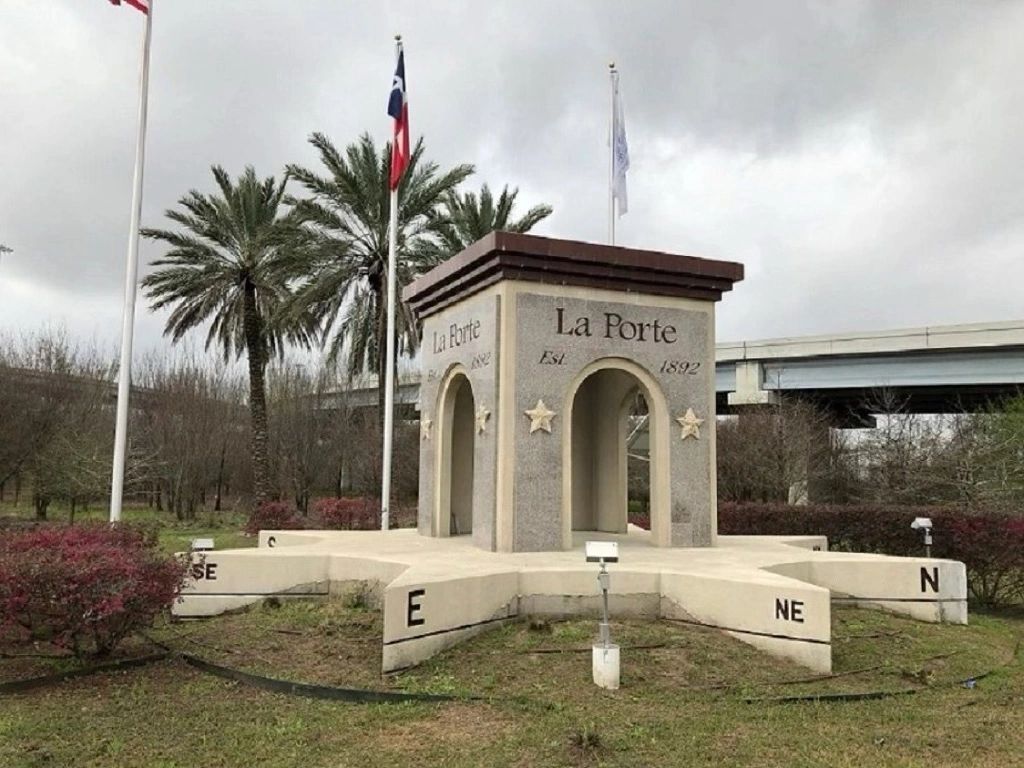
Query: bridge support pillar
pixel 750 386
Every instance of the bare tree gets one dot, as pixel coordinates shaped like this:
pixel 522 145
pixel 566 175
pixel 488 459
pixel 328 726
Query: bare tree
pixel 979 460
pixel 53 396
pixel 193 427
pixel 305 433
pixel 778 453
pixel 898 455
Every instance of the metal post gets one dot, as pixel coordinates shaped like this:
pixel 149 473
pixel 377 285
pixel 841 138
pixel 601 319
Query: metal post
pixel 124 378
pixel 611 155
pixel 604 579
pixel 389 373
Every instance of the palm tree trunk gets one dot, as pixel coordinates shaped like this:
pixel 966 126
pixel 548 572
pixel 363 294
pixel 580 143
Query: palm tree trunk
pixel 257 395
pixel 220 475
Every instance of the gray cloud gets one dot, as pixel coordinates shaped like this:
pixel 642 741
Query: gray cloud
pixel 863 159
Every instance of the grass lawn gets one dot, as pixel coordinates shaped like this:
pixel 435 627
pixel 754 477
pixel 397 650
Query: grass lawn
pixel 684 700
pixel 225 528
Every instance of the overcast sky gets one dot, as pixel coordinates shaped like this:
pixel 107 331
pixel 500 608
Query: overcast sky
pixel 864 160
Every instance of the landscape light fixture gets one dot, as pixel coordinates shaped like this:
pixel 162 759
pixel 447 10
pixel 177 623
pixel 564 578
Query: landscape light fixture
pixel 605 653
pixel 924 524
pixel 602 552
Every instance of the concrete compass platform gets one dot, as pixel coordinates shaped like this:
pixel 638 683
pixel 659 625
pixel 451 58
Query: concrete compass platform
pixel 774 593
pixel 539 356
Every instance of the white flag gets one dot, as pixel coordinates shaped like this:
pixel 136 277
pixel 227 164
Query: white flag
pixel 620 149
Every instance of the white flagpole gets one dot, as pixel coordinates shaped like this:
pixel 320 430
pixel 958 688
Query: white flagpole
pixel 128 318
pixel 611 154
pixel 389 373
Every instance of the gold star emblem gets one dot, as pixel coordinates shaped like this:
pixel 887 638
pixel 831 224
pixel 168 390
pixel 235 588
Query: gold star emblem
pixel 425 425
pixel 540 417
pixel 482 415
pixel 690 424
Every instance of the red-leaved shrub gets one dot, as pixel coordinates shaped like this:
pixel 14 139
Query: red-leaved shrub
pixel 347 514
pixel 274 516
pixel 84 587
pixel 990 545
pixel 992 548
pixel 640 520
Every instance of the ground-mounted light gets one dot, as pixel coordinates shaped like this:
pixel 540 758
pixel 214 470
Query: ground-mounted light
pixel 605 652
pixel 924 524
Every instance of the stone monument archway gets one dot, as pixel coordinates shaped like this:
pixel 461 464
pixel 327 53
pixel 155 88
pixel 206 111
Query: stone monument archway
pixel 595 460
pixel 527 320
pixel 456 445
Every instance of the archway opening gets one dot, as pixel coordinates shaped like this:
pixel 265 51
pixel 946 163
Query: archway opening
pixel 459 449
pixel 638 460
pixel 609 415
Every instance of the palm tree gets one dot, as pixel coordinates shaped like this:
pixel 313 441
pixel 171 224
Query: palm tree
pixel 470 217
pixel 231 265
pixel 348 209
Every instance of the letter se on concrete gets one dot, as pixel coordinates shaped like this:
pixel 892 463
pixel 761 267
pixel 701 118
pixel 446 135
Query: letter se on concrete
pixel 203 570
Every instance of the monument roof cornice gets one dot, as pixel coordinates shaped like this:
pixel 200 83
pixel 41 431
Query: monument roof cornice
pixel 531 258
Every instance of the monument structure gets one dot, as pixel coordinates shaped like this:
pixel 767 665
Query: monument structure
pixel 538 357
pixel 534 353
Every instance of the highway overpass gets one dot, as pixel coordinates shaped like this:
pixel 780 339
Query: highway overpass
pixel 936 369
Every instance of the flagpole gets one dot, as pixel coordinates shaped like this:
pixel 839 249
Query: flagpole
pixel 131 276
pixel 611 154
pixel 389 373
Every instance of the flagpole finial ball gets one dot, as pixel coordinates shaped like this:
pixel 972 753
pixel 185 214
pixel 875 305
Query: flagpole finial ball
pixel 398 38
pixel 611 65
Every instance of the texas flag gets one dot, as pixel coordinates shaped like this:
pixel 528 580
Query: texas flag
pixel 142 5
pixel 398 108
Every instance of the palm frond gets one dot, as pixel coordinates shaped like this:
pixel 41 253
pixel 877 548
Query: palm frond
pixel 242 235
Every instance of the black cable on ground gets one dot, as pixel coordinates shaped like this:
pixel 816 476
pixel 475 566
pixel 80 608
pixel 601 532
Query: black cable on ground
pixel 829 697
pixel 330 693
pixel 367 696
pixel 308 690
pixel 18 686
pixel 588 649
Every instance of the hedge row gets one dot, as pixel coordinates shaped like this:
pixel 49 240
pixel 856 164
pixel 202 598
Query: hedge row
pixel 341 514
pixel 990 545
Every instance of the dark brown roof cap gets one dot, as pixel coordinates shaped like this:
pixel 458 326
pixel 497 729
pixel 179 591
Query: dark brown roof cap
pixel 511 256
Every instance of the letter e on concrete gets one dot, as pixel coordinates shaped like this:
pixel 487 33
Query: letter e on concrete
pixel 414 607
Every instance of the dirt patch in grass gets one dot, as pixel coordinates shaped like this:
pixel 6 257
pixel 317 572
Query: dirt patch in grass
pixel 458 726
pixel 326 643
